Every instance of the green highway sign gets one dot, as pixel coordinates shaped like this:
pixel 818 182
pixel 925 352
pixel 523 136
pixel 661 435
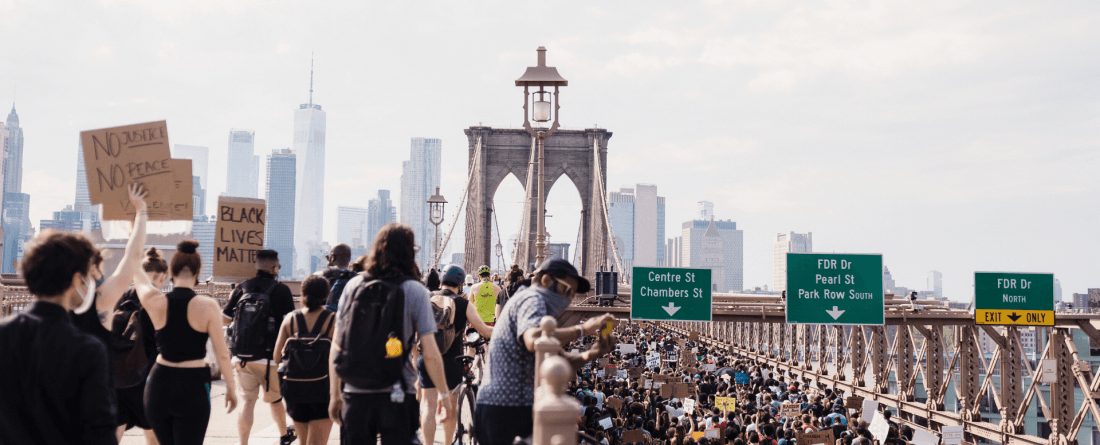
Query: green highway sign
pixel 835 288
pixel 661 293
pixel 1012 298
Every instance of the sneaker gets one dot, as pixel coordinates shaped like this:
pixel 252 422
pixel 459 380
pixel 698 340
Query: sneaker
pixel 289 437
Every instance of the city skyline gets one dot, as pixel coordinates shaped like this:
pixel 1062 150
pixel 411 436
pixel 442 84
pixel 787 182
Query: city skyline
pixel 946 137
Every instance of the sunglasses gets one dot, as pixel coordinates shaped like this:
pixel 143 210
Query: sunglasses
pixel 568 287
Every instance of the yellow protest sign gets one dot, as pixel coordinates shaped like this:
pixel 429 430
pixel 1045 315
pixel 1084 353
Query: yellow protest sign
pixel 726 403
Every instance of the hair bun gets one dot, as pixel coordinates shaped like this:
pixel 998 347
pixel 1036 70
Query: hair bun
pixel 152 253
pixel 187 246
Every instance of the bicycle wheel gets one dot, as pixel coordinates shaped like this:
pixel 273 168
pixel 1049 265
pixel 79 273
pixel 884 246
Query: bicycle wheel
pixel 464 432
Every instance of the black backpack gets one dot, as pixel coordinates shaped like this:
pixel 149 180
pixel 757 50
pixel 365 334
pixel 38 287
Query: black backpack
pixel 252 336
pixel 337 280
pixel 372 322
pixel 305 362
pixel 130 364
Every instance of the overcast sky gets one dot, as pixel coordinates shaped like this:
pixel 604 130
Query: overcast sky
pixel 950 135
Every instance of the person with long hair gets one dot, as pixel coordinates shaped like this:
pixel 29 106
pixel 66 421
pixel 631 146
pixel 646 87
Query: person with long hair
pixel 177 395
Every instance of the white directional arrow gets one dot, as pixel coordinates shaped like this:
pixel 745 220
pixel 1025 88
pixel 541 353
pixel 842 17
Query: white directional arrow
pixel 672 309
pixel 835 313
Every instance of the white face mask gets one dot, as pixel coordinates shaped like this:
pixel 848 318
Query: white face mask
pixel 88 297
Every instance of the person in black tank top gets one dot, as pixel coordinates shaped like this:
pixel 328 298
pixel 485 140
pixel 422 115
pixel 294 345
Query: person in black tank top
pixel 465 313
pixel 177 394
pixel 307 401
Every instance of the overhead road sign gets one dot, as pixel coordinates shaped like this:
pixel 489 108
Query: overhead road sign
pixel 835 288
pixel 1014 298
pixel 670 294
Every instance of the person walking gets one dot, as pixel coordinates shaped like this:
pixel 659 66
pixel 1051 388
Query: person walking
pixel 302 351
pixel 337 274
pixel 177 395
pixel 382 313
pixel 464 313
pixel 55 387
pixel 252 342
pixel 504 404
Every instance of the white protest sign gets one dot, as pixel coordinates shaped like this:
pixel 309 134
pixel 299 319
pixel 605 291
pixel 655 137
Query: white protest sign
pixel 648 384
pixel 922 437
pixel 689 406
pixel 711 434
pixel 628 349
pixel 879 427
pixel 622 374
pixel 576 351
pixel 870 408
pixel 952 435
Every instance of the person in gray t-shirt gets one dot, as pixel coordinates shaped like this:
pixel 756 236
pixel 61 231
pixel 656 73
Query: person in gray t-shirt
pixel 364 413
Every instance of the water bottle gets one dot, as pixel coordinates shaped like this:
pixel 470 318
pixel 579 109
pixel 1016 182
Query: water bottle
pixel 397 395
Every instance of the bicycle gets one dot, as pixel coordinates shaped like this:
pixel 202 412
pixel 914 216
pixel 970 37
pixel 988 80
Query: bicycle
pixel 467 391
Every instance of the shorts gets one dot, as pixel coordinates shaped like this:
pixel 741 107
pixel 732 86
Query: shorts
pixel 451 369
pixel 307 412
pixel 375 415
pixel 250 379
pixel 131 407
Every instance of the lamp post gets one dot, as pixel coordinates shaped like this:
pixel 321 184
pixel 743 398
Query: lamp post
pixel 435 216
pixel 540 112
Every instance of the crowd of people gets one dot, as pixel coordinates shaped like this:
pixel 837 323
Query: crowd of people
pixel 374 347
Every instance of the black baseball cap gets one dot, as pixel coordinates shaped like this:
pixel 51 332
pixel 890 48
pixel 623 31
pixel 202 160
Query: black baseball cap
pixel 559 267
pixel 267 254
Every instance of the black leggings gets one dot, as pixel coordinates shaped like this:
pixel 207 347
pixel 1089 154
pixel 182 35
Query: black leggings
pixel 177 404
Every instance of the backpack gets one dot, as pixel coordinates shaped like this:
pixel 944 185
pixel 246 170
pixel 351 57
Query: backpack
pixel 252 336
pixel 130 365
pixel 444 320
pixel 305 362
pixel 337 280
pixel 371 353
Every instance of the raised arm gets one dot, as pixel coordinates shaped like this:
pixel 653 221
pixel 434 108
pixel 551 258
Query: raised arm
pixel 115 285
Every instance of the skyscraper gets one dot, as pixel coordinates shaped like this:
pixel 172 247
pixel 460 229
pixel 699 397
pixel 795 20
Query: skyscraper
pixel 3 150
pixel 17 228
pixel 621 211
pixel 935 283
pixel 254 182
pixel 380 211
pixel 309 145
pixel 13 160
pixel 419 177
pixel 1057 290
pixel 200 163
pixel 279 230
pixel 83 199
pixel 787 242
pixel 717 245
pixel 202 228
pixel 239 169
pixel 351 225
pixel 648 234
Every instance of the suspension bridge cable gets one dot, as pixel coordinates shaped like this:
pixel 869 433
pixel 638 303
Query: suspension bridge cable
pixel 603 201
pixel 476 168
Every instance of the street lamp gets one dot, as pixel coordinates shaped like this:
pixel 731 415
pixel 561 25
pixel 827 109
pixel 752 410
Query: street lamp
pixel 435 216
pixel 541 111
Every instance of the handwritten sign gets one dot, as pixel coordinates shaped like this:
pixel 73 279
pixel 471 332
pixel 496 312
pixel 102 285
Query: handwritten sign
pixel 694 335
pixel 633 436
pixel 726 403
pixel 634 373
pixel 677 390
pixel 689 406
pixel 824 437
pixel 711 433
pixel 610 370
pixel 952 435
pixel 628 348
pixel 853 402
pixel 742 378
pixel 239 234
pixel 922 437
pixel 710 367
pixel 181 204
pixel 116 157
pixel 790 409
pixel 870 408
pixel 879 427
pixel 615 404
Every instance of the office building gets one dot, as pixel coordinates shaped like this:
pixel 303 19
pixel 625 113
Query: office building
pixel 638 219
pixel 420 176
pixel 198 196
pixel 620 209
pixel 3 149
pixel 17 228
pixel 935 283
pixel 13 155
pixel 279 231
pixel 674 252
pixel 203 229
pixel 254 181
pixel 309 145
pixel 83 201
pixel 713 244
pixel 560 250
pixel 1057 290
pixel 351 225
pixel 381 211
pixel 1080 301
pixel 200 164
pixel 71 220
pixel 240 175
pixel 789 242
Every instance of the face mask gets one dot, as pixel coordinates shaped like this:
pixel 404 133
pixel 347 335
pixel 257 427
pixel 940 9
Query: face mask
pixel 89 296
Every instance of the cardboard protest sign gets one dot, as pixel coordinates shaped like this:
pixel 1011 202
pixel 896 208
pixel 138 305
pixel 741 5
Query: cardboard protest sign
pixel 694 335
pixel 870 407
pixel 604 362
pixel 615 404
pixel 790 409
pixel 662 378
pixel 952 435
pixel 824 437
pixel 633 436
pixel 879 427
pixel 634 372
pixel 239 234
pixel 181 204
pixel 710 367
pixel 726 403
pixel 610 370
pixel 116 157
pixel 742 378
pixel 853 402
pixel 628 348
pixel 677 390
pixel 922 437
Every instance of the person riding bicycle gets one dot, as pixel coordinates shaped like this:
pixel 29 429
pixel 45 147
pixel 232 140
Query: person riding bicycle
pixel 451 281
pixel 487 296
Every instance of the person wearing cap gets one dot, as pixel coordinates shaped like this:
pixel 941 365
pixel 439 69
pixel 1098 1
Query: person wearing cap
pixel 256 374
pixel 487 297
pixel 504 404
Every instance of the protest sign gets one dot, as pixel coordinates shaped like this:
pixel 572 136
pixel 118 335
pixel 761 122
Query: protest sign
pixel 922 437
pixel 710 367
pixel 606 423
pixel 693 335
pixel 952 435
pixel 742 378
pixel 648 384
pixel 824 437
pixel 695 350
pixel 622 374
pixel 116 157
pixel 726 403
pixel 615 404
pixel 870 407
pixel 689 406
pixel 633 436
pixel 697 435
pixel 628 348
pixel 662 378
pixel 853 402
pixel 576 351
pixel 604 362
pixel 711 433
pixel 239 234
pixel 726 376
pixel 879 427
pixel 691 371
pixel 610 370
pixel 634 372
pixel 181 204
pixel 653 361
pixel 790 409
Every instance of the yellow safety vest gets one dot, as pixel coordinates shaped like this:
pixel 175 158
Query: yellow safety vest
pixel 485 301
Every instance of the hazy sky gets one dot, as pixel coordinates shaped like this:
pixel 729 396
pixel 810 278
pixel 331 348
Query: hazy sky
pixel 948 135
